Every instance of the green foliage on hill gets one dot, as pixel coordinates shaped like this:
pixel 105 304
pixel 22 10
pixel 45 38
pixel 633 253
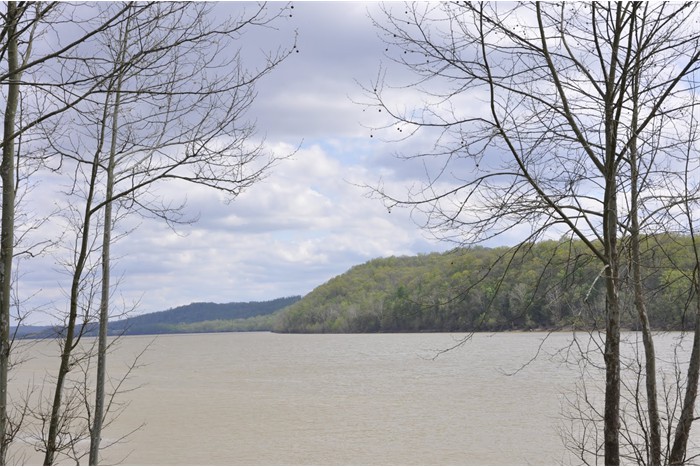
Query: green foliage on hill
pixel 254 323
pixel 545 285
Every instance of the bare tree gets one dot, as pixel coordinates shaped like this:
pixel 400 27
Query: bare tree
pixel 547 115
pixel 185 94
pixel 7 170
pixel 172 110
pixel 23 22
pixel 99 409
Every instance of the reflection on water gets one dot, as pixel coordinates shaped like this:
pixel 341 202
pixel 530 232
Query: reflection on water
pixel 262 398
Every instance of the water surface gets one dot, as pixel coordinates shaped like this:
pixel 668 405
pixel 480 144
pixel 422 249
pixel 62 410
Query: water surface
pixel 263 398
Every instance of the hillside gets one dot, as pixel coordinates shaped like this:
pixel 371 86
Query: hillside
pixel 547 285
pixel 195 317
pixel 204 317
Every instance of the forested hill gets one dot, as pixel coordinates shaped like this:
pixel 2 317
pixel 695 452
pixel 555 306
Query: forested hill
pixel 547 285
pixel 195 317
pixel 205 317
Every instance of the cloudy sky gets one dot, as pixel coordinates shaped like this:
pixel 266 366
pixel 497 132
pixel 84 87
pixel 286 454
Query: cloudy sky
pixel 310 219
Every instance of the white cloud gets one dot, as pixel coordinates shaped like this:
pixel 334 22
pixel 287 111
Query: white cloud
pixel 291 232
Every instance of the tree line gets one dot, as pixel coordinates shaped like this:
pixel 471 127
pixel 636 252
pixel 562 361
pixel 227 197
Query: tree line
pixel 205 317
pixel 548 285
pixel 192 318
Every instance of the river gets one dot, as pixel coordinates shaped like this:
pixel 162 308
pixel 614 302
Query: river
pixel 270 399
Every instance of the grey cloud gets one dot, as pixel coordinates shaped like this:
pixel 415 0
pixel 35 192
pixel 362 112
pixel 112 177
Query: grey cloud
pixel 311 95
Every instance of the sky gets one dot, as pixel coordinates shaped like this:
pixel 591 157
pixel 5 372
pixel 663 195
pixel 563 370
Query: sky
pixel 311 218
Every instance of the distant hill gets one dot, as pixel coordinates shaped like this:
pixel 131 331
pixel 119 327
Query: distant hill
pixel 33 332
pixel 205 317
pixel 195 317
pixel 544 285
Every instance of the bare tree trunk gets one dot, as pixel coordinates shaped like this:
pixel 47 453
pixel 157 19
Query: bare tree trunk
pixel 67 349
pixel 680 441
pixel 649 351
pixel 612 352
pixel 99 412
pixel 685 421
pixel 611 424
pixel 70 342
pixel 7 172
pixel 654 442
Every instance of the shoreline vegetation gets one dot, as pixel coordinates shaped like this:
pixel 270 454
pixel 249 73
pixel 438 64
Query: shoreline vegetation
pixel 544 286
